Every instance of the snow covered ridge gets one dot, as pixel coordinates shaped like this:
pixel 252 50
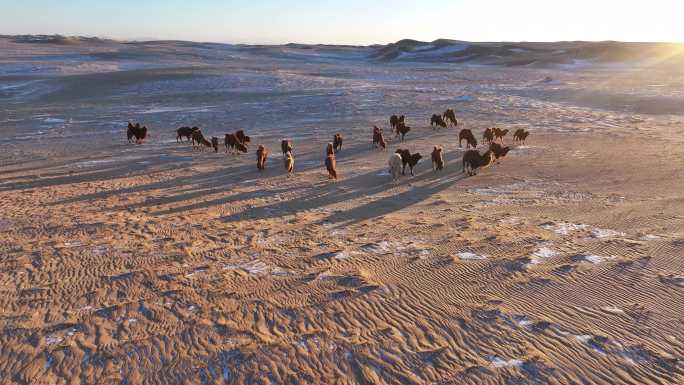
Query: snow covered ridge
pixel 565 54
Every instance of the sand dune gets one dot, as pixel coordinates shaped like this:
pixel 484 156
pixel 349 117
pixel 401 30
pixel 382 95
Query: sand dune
pixel 156 264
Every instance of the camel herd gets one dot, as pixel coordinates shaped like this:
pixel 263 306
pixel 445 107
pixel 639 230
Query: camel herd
pixel 238 142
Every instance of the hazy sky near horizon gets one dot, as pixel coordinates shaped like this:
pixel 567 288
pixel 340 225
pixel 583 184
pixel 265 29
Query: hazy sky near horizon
pixel 349 21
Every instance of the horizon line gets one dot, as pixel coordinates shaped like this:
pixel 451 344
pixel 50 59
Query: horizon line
pixel 151 40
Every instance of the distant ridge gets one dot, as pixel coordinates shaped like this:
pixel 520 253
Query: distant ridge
pixel 525 53
pixel 567 53
pixel 55 39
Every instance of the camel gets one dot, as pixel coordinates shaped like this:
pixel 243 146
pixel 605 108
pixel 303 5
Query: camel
pixel 378 138
pixel 199 141
pixel 337 143
pixel 450 117
pixel 262 155
pixel 438 158
pixel 438 121
pixel 499 133
pixel 520 135
pixel 498 150
pixel 472 160
pixel 185 132
pixel 402 130
pixel 137 132
pixel 488 136
pixel 468 136
pixel 395 120
pixel 289 163
pixel 231 142
pixel 331 162
pixel 395 166
pixel 286 146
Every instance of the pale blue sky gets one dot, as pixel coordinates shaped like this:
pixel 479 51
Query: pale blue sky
pixel 349 21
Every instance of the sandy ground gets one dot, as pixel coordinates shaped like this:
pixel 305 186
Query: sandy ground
pixel 157 264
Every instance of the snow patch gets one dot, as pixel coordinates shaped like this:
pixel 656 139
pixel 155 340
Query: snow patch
pixel 381 247
pixel 499 362
pixel 159 110
pixel 467 256
pixel 563 228
pixel 606 233
pixel 341 255
pixel 52 340
pixel 256 267
pixel 613 310
pixel 542 253
pixel 595 259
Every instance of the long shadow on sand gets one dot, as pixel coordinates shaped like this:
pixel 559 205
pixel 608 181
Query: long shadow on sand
pixel 238 170
pixel 116 166
pixel 425 184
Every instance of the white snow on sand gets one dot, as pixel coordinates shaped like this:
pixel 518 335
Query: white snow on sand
pixel 427 51
pixel 380 247
pixel 159 110
pixel 595 259
pixel 256 267
pixel 467 256
pixel 341 255
pixel 613 310
pixel 541 253
pixel 499 362
pixel 563 228
pixel 606 233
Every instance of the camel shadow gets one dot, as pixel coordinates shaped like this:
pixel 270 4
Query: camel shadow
pixel 234 172
pixel 425 184
pixel 394 203
pixel 95 169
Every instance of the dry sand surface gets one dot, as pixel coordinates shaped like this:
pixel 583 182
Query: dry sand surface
pixel 157 264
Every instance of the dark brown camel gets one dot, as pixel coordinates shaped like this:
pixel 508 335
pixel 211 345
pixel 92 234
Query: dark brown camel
pixel 472 161
pixel 468 136
pixel 437 120
pixel 450 117
pixel 337 143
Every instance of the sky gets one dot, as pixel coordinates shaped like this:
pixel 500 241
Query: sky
pixel 355 22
